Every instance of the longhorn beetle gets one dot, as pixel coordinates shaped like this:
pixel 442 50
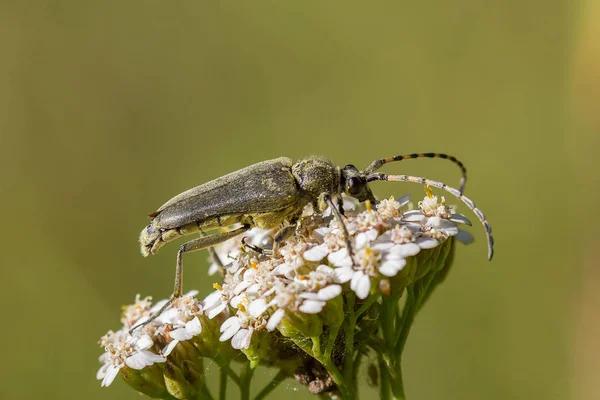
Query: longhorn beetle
pixel 270 194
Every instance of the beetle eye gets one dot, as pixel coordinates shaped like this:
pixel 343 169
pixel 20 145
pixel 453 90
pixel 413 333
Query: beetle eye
pixel 354 186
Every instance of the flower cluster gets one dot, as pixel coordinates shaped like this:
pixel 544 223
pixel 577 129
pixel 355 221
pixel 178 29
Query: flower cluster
pixel 304 292
pixel 154 341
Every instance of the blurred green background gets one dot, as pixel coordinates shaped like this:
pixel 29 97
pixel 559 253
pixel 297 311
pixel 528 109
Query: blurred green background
pixel 109 108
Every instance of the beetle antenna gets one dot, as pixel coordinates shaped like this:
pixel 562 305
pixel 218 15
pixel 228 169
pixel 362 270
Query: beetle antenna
pixel 375 165
pixel 378 176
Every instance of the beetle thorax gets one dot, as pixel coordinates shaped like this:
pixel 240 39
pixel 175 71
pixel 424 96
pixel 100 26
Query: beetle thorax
pixel 316 176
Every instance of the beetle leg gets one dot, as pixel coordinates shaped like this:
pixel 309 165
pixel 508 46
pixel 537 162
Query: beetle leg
pixel 338 217
pixel 254 248
pixel 192 245
pixel 281 236
pixel 199 244
pixel 213 254
pixel 340 202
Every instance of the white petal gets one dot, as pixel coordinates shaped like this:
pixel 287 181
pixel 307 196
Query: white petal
pixel 404 200
pixel 151 358
pixel 169 316
pixel 329 292
pixel 249 274
pixel 111 374
pixel 169 348
pixel 320 233
pixel 340 258
pixel 440 223
pixel 253 289
pixel 144 342
pixel 427 243
pixel 388 269
pixel 343 275
pixel 464 237
pixel 275 319
pixel 212 299
pixel 355 278
pixel 451 231
pixel 363 287
pixel 405 250
pixel 243 285
pixel 382 246
pixel 309 296
pixel 365 237
pixel 102 372
pixel 192 293
pixel 213 312
pixel 311 306
pixel 136 360
pixel 257 307
pixel 229 328
pixel 235 301
pixel 325 269
pixel 242 339
pixel 316 253
pixel 213 269
pixel 414 216
pixel 157 306
pixel 460 219
pixel 180 334
pixel 349 203
pixel 194 327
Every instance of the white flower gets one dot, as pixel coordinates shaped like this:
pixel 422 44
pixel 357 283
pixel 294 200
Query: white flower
pixel 238 330
pixel 390 208
pixel 123 349
pixel 214 304
pixel 430 206
pixel 189 330
pixel 134 350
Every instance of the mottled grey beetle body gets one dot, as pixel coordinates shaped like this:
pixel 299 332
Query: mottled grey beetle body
pixel 263 194
pixel 273 194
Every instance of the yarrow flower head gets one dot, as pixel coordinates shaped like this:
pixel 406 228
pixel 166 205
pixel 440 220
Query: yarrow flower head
pixel 285 307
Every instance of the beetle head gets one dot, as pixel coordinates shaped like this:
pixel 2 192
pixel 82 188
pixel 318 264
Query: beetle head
pixel 354 183
pixel 148 238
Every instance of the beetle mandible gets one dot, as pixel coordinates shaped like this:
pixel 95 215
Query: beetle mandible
pixel 273 194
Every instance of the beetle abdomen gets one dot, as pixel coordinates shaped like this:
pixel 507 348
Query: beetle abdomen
pixel 153 238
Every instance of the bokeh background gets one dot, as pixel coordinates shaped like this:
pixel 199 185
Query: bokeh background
pixel 109 108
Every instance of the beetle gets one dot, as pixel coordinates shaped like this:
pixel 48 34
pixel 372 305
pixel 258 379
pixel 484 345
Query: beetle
pixel 272 194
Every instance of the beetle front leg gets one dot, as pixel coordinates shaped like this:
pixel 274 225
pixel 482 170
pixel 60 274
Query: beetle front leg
pixel 340 221
pixel 281 236
pixel 192 245
pixel 340 202
pixel 199 244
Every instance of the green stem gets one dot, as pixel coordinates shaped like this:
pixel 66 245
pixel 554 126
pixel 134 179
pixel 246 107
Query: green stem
pixel 316 347
pixel 333 333
pixel 384 378
pixel 245 378
pixel 365 306
pixel 388 318
pixel 204 394
pixel 356 366
pixel 357 359
pixel 224 365
pixel 222 385
pixel 397 384
pixel 349 328
pixel 280 377
pixel 327 363
pixel 408 316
